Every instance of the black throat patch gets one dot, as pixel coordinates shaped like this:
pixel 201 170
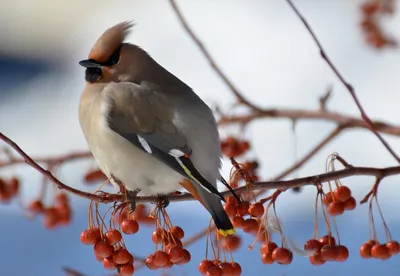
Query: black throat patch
pixel 93 74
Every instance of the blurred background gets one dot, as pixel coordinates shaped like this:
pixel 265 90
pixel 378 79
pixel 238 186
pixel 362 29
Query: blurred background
pixel 263 47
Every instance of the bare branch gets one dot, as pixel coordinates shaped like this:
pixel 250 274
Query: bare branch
pixel 324 177
pixel 52 161
pixel 207 55
pixel 348 86
pixel 298 114
pixel 299 182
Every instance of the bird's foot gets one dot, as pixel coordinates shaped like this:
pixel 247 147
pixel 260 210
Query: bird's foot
pixel 132 199
pixel 162 201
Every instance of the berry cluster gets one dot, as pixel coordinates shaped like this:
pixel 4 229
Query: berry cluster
pixel 172 251
pixel 233 147
pixel 58 214
pixel 110 249
pixel 339 200
pixel 141 214
pixel 218 268
pixel 108 243
pixel 372 11
pixel 325 249
pixel 270 253
pixel 237 211
pixel 8 189
pixel 373 249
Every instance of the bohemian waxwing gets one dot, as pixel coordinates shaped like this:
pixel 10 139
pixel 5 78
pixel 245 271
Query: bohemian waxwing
pixel 146 128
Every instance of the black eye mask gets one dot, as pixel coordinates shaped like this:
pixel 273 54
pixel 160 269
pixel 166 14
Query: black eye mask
pixel 112 60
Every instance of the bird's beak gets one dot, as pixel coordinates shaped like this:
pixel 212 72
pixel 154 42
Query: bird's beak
pixel 89 63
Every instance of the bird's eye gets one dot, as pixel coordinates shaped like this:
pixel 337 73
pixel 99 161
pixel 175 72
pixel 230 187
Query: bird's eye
pixel 114 58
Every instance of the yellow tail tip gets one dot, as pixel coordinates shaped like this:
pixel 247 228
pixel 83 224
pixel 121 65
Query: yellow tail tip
pixel 227 232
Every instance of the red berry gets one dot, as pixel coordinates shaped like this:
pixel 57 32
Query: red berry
pixel 160 258
pixel 393 247
pixel 328 198
pixel 36 207
pixel 365 250
pixel 243 208
pixel 380 251
pixel 88 237
pixel 342 193
pixel 50 218
pixel 169 264
pixel 214 271
pixel 316 260
pixel 256 210
pixel 281 255
pixel 13 186
pixel 149 262
pixel 343 253
pixel 250 226
pixel 230 209
pixel 268 247
pixel 329 252
pixel 175 253
pixel 238 222
pixel 126 270
pixel 109 264
pixel 159 236
pixel 103 249
pixel 204 266
pixel 232 242
pixel 266 258
pixel 186 258
pixel 129 226
pixel 177 232
pixel 328 239
pixel 313 245
pixel 236 269
pixel 113 236
pixel 61 198
pixel 121 256
pixel 226 268
pixel 336 208
pixel 350 204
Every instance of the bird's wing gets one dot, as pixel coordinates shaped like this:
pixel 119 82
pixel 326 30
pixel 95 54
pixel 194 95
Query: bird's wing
pixel 144 117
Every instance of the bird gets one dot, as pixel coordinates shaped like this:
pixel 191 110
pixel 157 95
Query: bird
pixel 146 128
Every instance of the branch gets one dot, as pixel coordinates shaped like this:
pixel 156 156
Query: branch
pixel 52 161
pixel 207 55
pixel 350 122
pixel 348 86
pixel 324 177
pixel 299 182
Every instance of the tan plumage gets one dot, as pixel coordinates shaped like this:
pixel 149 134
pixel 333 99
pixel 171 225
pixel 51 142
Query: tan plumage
pixel 146 128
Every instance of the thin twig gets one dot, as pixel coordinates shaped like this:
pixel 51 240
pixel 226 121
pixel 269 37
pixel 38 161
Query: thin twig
pixel 207 55
pixel 57 160
pixel 311 153
pixel 348 86
pixel 71 272
pixel 299 114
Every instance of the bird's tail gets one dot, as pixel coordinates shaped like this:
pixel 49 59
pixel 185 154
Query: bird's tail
pixel 214 206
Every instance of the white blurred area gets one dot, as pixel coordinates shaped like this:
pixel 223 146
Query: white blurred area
pixel 261 45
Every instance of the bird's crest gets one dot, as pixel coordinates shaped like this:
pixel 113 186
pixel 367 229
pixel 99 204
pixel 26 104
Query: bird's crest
pixel 110 40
